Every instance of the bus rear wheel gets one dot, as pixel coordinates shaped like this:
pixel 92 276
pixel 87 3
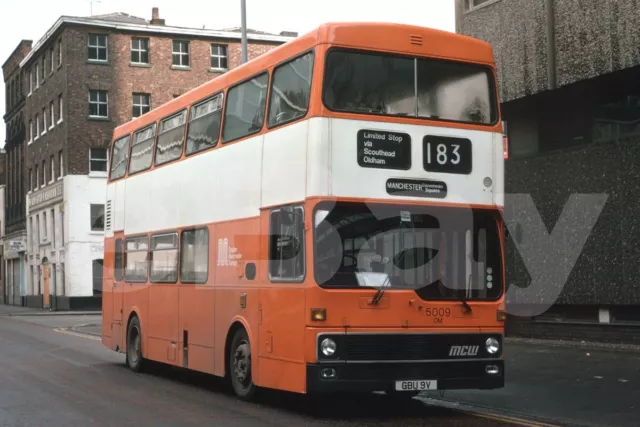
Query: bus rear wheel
pixel 135 361
pixel 240 366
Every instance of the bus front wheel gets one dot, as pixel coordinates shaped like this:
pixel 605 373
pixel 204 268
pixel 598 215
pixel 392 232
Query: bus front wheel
pixel 240 366
pixel 134 345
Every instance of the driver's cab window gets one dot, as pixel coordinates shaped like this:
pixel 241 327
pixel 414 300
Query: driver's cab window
pixel 286 245
pixel 290 91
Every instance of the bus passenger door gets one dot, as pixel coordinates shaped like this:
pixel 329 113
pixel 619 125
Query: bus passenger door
pixel 282 302
pixel 117 329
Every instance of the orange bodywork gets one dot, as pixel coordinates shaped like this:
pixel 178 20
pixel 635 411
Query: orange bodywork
pixel 277 316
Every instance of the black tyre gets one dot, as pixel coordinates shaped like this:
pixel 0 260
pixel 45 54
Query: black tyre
pixel 135 361
pixel 240 366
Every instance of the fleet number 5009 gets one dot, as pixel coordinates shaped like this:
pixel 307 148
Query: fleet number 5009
pixel 438 312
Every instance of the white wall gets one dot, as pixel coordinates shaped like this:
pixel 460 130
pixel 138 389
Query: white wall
pixel 82 245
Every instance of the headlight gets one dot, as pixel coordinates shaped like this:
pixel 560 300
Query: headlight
pixel 328 347
pixel 492 345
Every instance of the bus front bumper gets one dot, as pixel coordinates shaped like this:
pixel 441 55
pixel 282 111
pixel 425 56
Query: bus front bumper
pixel 370 377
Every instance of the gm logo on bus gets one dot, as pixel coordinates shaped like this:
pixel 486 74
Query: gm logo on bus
pixel 227 256
pixel 464 350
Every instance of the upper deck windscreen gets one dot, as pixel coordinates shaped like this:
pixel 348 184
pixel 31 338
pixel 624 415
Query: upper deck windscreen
pixel 382 84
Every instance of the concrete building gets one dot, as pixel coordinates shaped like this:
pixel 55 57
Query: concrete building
pixel 82 79
pixel 15 239
pixel 569 75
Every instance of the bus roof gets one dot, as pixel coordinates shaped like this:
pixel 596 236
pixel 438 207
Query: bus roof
pixel 385 37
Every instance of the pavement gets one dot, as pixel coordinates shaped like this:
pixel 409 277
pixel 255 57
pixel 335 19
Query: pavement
pixel 56 372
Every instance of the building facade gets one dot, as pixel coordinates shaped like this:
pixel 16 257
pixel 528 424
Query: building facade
pixel 569 76
pixel 3 188
pixel 15 239
pixel 82 79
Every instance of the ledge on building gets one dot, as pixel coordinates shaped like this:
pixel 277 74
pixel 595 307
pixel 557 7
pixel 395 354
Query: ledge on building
pixel 218 70
pixel 180 68
pixel 96 62
pixel 139 65
pixel 99 119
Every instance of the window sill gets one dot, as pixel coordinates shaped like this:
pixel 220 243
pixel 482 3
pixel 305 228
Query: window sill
pixel 180 68
pixel 51 127
pixel 99 118
pixel 139 65
pixel 96 174
pixel 60 121
pixel 59 178
pixel 218 70
pixel 97 62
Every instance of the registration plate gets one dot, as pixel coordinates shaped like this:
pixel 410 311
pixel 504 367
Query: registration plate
pixel 416 385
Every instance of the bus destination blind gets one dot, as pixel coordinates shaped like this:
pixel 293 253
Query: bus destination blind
pixel 384 150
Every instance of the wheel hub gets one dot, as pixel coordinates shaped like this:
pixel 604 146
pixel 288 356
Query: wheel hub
pixel 242 362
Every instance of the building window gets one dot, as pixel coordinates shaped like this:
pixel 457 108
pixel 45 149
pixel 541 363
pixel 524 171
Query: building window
pixel 30 81
pixel 141 104
pixel 135 259
pixel 37 76
pixel 30 179
pixel 44 173
pixel 53 228
pixel 219 57
pixel 97 217
pixel 59 108
pixel 53 169
pixel 44 121
pixel 30 130
pixel 286 245
pixel 43 65
pixel 246 103
pixel 98 47
pixel 59 52
pixel 98 103
pixel 164 258
pixel 194 256
pixel 37 127
pixel 44 225
pixel 37 178
pixel 52 115
pixel 60 164
pixel 139 50
pixel 51 59
pixel 181 53
pixel 97 159
pixel 470 4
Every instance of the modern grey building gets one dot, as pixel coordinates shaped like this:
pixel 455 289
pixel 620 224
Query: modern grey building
pixel 569 76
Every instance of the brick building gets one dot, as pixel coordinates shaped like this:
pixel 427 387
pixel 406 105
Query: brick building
pixel 569 75
pixel 15 238
pixel 82 79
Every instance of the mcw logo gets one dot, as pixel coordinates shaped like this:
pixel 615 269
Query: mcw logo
pixel 464 350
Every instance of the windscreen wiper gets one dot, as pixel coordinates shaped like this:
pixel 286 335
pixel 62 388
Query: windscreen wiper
pixel 464 302
pixel 378 296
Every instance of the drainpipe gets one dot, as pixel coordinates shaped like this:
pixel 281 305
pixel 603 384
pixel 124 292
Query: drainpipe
pixel 551 44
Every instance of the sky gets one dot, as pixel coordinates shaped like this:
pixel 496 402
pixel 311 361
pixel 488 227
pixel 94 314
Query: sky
pixel 30 19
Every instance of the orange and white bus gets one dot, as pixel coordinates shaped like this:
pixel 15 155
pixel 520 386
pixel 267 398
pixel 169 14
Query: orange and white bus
pixel 324 218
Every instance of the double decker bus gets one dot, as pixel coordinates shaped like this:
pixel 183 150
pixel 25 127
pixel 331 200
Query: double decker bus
pixel 325 218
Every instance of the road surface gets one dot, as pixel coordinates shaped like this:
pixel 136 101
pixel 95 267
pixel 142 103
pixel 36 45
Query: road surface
pixel 50 378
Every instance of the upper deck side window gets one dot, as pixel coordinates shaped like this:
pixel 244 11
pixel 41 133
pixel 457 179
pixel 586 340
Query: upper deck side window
pixel 171 138
pixel 119 157
pixel 290 90
pixel 392 85
pixel 246 104
pixel 142 149
pixel 204 124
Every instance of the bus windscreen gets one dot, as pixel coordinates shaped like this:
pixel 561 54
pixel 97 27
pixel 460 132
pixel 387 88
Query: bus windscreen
pixel 440 253
pixel 383 84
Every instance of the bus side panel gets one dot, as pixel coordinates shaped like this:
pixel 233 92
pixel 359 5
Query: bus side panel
pixel 107 292
pixel 281 351
pixel 234 246
pixel 196 326
pixel 162 330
